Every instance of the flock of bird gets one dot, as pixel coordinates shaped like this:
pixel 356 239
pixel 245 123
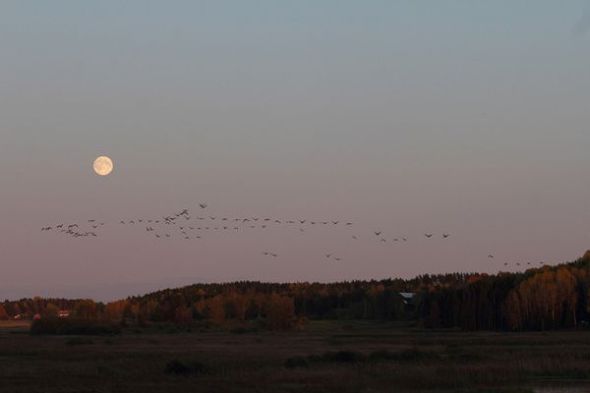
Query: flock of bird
pixel 184 225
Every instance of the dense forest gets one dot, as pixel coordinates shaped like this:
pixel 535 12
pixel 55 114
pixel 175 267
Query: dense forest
pixel 550 297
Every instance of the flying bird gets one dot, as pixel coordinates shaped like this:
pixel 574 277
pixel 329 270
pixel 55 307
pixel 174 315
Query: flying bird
pixel 203 205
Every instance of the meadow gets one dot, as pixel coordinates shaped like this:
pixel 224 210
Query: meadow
pixel 324 356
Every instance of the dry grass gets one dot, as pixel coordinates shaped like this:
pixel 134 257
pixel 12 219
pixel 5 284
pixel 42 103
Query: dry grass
pixel 342 357
pixel 12 324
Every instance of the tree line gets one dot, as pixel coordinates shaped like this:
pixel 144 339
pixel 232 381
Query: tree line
pixel 551 297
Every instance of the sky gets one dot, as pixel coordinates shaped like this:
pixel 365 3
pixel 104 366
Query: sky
pixel 461 117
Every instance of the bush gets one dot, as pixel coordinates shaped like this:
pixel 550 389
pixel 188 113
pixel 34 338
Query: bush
pixel 297 362
pixel 408 355
pixel 79 341
pixel 55 326
pixel 343 357
pixel 177 367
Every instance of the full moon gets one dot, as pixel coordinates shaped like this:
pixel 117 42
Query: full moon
pixel 103 166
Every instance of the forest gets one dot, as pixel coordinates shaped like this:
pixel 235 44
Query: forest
pixel 544 298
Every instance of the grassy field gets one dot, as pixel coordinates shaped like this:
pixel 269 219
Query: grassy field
pixel 324 357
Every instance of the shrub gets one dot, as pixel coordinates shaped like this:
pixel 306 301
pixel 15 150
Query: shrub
pixel 408 355
pixel 55 326
pixel 297 362
pixel 343 357
pixel 79 341
pixel 177 367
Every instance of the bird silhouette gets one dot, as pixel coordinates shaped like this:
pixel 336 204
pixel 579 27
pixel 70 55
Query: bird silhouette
pixel 445 235
pixel 428 235
pixel 203 205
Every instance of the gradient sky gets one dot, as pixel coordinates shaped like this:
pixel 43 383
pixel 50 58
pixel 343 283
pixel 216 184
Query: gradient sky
pixel 467 117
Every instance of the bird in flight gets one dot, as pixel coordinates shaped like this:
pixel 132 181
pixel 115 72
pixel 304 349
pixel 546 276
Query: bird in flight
pixel 428 235
pixel 491 256
pixel 445 235
pixel 203 205
pixel 377 233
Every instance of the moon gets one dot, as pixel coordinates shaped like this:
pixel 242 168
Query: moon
pixel 103 166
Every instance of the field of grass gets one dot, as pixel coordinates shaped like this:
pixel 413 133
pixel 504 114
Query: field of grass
pixel 323 357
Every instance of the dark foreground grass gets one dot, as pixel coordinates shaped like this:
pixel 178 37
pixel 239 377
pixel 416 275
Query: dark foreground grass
pixel 324 357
